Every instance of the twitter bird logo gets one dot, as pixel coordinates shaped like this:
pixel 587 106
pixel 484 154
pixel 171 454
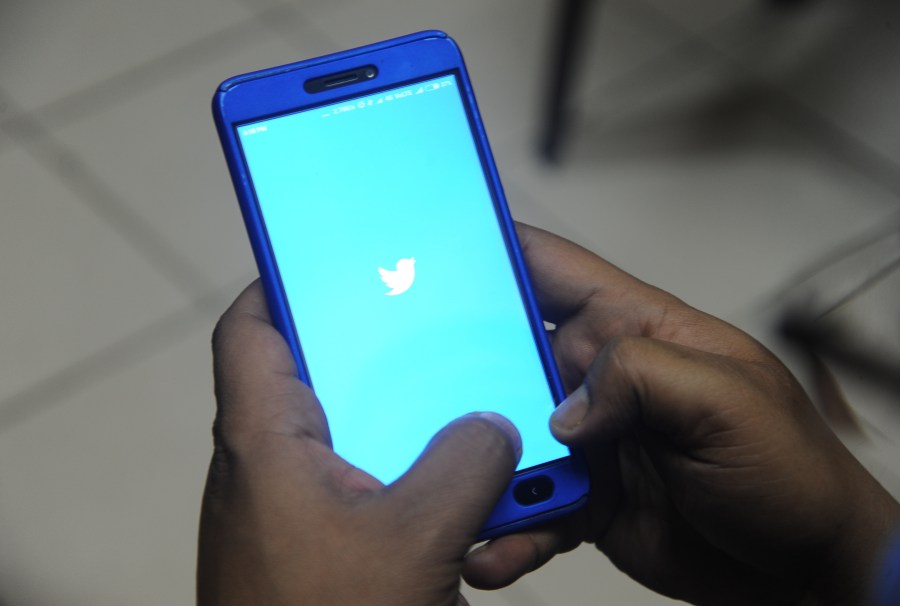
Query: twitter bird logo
pixel 401 279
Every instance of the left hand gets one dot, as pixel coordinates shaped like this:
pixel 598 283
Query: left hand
pixel 713 478
pixel 287 521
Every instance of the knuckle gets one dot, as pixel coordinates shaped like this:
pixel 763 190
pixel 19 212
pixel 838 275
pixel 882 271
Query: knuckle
pixel 219 329
pixel 225 326
pixel 223 342
pixel 220 468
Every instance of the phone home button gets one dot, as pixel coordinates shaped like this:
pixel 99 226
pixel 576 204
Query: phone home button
pixel 533 490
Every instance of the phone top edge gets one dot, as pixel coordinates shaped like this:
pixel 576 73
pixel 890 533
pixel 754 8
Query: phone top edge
pixel 230 83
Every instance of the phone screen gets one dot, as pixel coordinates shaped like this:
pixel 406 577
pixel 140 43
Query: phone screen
pixel 396 272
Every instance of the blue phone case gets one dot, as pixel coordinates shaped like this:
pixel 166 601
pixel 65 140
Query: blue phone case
pixel 279 90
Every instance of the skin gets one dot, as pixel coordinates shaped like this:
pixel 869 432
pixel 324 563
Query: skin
pixel 286 521
pixel 714 480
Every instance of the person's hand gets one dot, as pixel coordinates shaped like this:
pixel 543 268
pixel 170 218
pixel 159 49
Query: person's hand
pixel 286 521
pixel 714 480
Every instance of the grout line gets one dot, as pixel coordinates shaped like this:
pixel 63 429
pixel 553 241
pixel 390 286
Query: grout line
pixel 835 141
pixel 650 16
pixel 771 302
pixel 544 215
pixel 124 353
pixel 93 192
pixel 679 60
pixel 30 130
pixel 688 54
pixel 284 24
pixel 135 80
pixel 844 146
pixel 689 46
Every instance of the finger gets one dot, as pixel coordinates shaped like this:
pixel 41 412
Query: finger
pixel 571 281
pixel 449 492
pixel 504 560
pixel 646 384
pixel 257 388
pixel 656 546
pixel 566 277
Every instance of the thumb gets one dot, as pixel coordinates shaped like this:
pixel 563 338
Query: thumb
pixel 640 383
pixel 453 486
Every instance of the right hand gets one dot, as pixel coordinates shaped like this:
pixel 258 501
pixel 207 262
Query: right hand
pixel 285 520
pixel 714 479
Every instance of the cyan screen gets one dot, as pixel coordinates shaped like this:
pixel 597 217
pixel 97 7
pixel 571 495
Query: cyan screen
pixel 396 273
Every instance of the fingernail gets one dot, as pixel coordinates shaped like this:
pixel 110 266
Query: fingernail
pixel 571 412
pixel 508 428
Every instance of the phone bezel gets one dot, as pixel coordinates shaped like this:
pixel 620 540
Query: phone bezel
pixel 279 91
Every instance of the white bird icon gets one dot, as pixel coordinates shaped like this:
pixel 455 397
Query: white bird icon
pixel 401 279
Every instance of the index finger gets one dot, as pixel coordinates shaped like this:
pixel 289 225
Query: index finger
pixel 570 281
pixel 257 386
pixel 567 278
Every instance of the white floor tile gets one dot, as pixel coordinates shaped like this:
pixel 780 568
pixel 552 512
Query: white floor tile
pixel 72 286
pixel 50 49
pixel 101 496
pixel 697 16
pixel 692 188
pixel 160 153
pixel 838 58
pixel 620 44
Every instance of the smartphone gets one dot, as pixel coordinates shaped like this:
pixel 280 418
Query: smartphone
pixel 390 261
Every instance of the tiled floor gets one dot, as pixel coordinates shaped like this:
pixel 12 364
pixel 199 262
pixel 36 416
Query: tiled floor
pixel 717 150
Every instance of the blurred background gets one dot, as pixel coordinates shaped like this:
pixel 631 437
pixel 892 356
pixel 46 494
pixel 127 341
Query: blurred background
pixel 742 154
